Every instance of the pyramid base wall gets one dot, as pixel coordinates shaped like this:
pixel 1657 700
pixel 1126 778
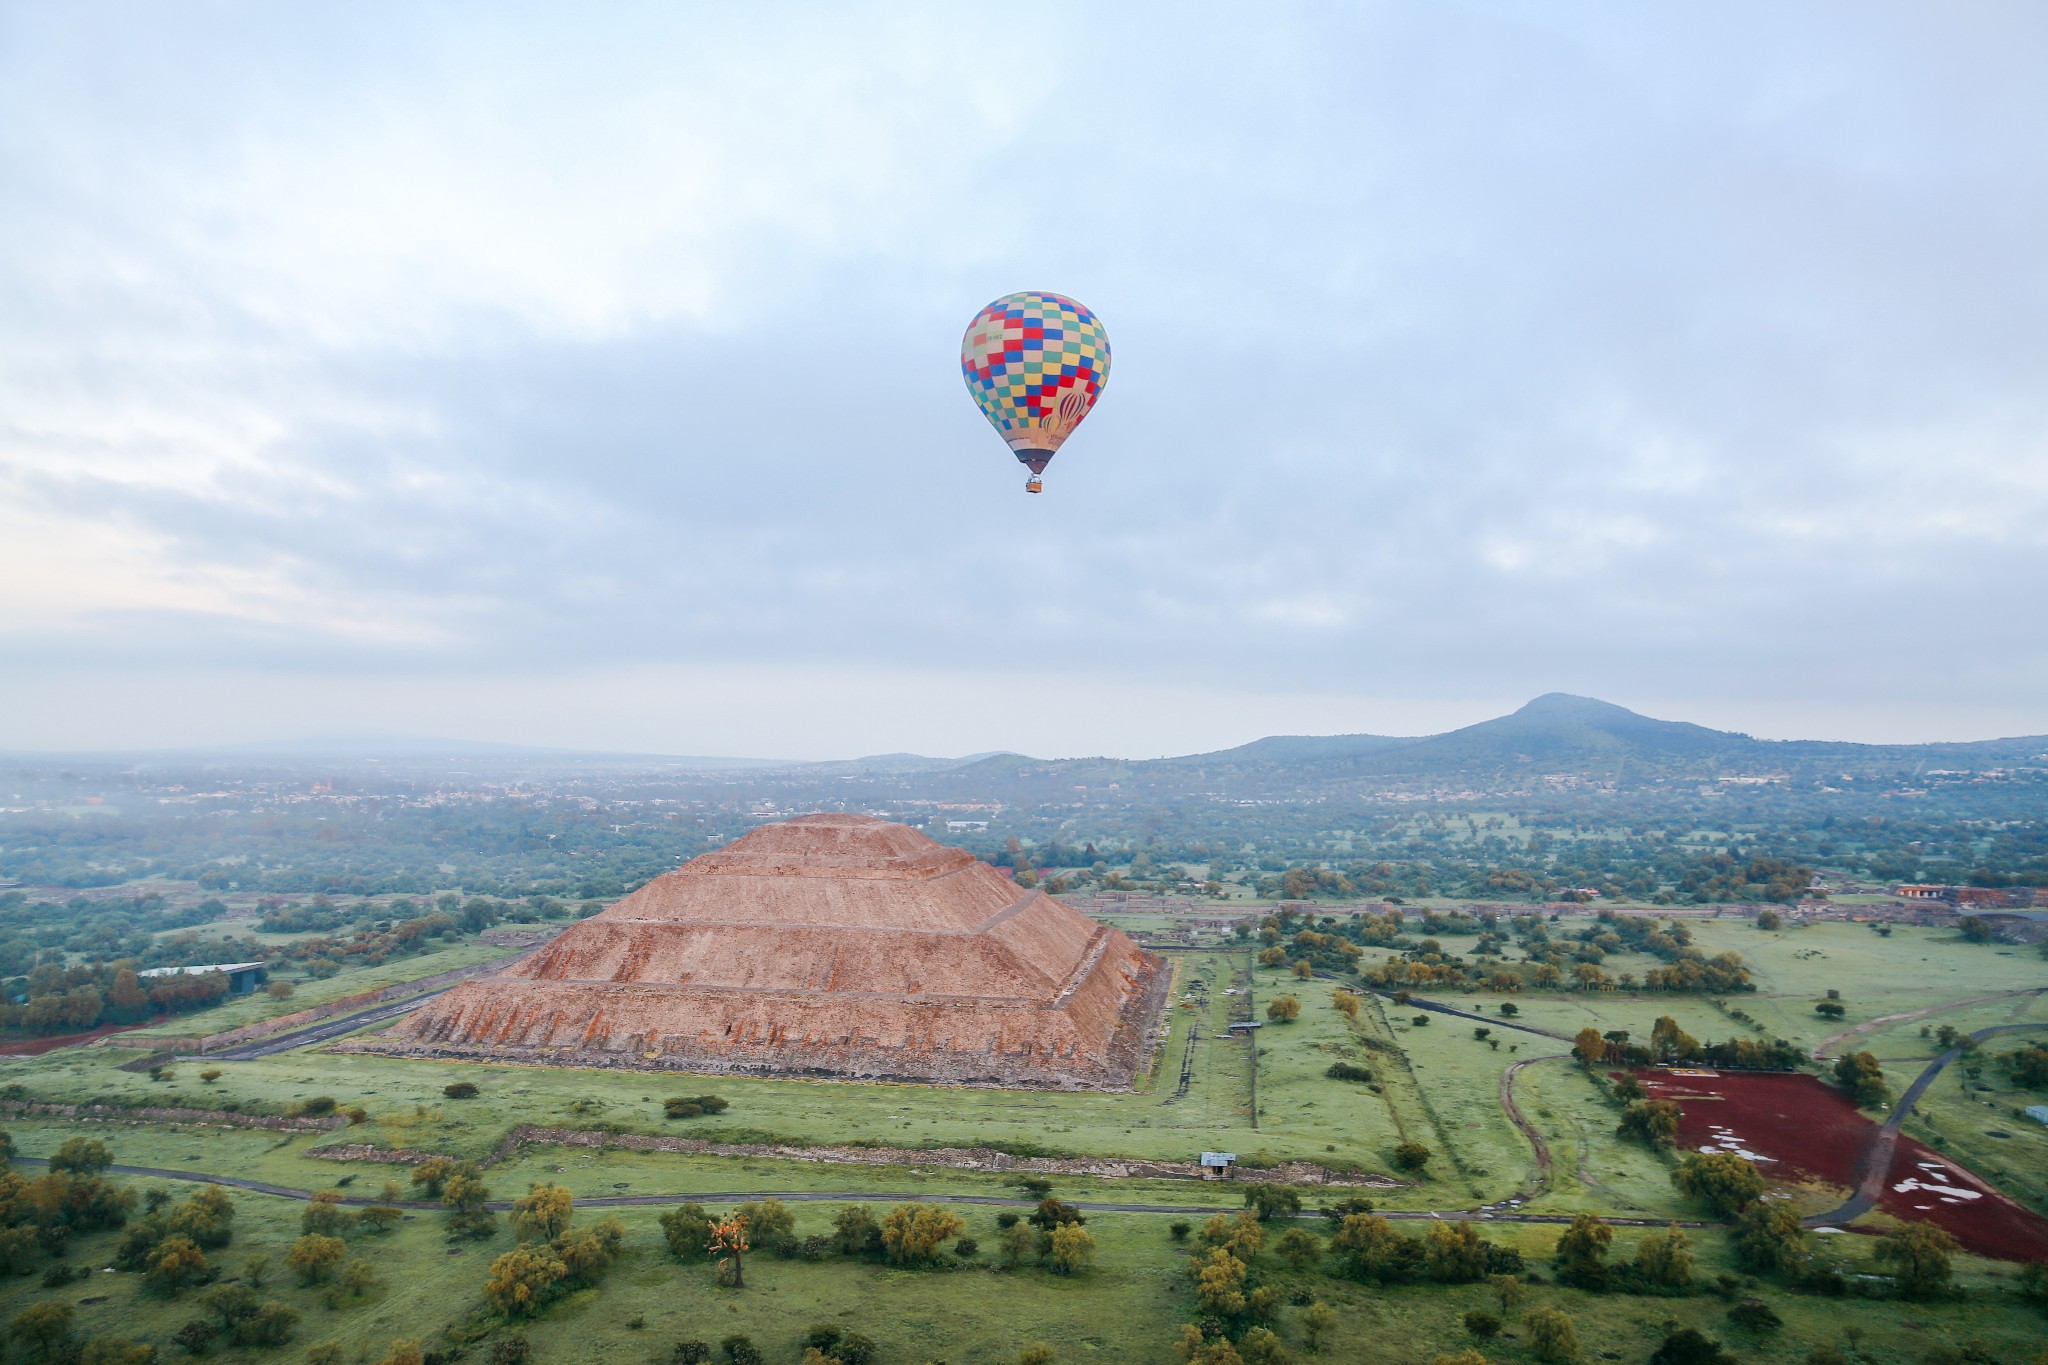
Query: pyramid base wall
pixel 1127 1055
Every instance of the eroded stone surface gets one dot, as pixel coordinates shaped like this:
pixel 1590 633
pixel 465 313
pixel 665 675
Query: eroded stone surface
pixel 829 945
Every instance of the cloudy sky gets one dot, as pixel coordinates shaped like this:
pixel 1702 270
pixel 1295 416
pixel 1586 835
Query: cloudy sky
pixel 587 376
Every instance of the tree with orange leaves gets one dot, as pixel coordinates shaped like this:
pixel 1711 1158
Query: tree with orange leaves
pixel 729 1244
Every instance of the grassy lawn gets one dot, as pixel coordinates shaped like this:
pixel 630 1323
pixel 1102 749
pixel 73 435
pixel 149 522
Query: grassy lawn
pixel 1306 1116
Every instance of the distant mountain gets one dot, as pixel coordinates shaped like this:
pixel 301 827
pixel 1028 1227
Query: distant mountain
pixel 1556 736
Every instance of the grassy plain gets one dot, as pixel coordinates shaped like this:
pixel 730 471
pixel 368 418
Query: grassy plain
pixel 1437 1084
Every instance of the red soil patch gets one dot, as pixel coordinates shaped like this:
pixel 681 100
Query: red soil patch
pixel 36 1047
pixel 1797 1128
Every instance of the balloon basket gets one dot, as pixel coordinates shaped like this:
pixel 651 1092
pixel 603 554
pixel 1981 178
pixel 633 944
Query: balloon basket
pixel 1034 485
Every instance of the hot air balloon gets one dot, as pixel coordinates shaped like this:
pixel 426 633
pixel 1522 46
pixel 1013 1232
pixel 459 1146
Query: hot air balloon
pixel 1035 363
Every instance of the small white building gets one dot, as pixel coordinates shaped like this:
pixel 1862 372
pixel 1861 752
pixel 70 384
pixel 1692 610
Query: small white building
pixel 1216 1165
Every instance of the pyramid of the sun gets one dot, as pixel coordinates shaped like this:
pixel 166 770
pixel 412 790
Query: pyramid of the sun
pixel 835 945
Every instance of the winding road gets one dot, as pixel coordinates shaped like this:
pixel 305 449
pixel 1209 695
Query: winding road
pixel 1876 1162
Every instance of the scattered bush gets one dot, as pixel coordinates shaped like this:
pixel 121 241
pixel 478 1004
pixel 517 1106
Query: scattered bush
pixel 1349 1071
pixel 460 1090
pixel 693 1106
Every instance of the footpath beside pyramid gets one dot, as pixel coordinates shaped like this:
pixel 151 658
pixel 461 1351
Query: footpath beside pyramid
pixel 829 945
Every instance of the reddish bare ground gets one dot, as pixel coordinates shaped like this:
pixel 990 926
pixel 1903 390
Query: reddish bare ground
pixel 36 1047
pixel 1795 1127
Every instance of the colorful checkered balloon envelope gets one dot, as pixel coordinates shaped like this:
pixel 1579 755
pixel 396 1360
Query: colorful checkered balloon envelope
pixel 1035 363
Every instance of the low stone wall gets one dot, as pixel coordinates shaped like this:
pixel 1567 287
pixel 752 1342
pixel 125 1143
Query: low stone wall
pixel 205 1118
pixel 953 1158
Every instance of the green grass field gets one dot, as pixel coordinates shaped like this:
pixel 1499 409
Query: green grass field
pixel 1437 1084
pixel 1128 1307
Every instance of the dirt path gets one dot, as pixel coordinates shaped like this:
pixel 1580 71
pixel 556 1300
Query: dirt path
pixel 1826 1046
pixel 1541 1185
pixel 616 1201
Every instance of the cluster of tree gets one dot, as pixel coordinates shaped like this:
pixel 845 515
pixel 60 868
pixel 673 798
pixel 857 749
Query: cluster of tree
pixel 460 1188
pixel 552 1257
pixel 1369 1248
pixel 1671 1045
pixel 61 999
pixel 73 1195
pixel 1859 1074
pixel 1663 1262
pixel 2028 1066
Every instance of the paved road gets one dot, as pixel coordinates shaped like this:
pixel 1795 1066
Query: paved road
pixel 321 1031
pixel 616 1201
pixel 1876 1162
pixel 1497 1022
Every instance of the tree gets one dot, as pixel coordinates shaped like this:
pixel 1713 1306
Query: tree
pixel 43 1327
pixel 1860 1075
pixel 1259 1346
pixel 729 1247
pixel 1482 1324
pixel 1019 1243
pixel 1268 1199
pixel 316 1258
pixel 379 1219
pixel 687 1229
pixel 1830 1009
pixel 1284 1009
pixel 1461 1358
pixel 1219 1283
pixel 174 1263
pixel 543 1213
pixel 1299 1248
pixel 1454 1253
pixel 1589 1047
pixel 196 1336
pixel 231 1303
pixel 465 1197
pixel 1769 919
pixel 770 1225
pixel 1918 1256
pixel 357 1276
pixel 1368 1246
pixel 1240 1236
pixel 270 1325
pixel 913 1233
pixel 855 1231
pixel 403 1352
pixel 1072 1249
pixel 1316 1321
pixel 207 1217
pixel 1508 1291
pixel 433 1174
pixel 1654 1122
pixel 81 1156
pixel 1037 1353
pixel 1723 1181
pixel 1664 1259
pixel 1690 1346
pixel 1052 1213
pixel 1551 1335
pixel 1581 1254
pixel 1412 1156
pixel 324 1216
pixel 523 1279
pixel 1768 1238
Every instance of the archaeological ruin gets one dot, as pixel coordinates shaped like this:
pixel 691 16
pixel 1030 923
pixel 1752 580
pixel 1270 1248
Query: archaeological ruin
pixel 828 945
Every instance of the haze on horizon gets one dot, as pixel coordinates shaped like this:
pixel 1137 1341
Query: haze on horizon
pixel 588 381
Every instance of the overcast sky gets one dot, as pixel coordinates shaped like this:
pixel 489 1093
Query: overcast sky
pixel 588 376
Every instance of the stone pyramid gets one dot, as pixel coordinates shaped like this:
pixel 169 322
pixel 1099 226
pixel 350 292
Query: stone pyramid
pixel 828 945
